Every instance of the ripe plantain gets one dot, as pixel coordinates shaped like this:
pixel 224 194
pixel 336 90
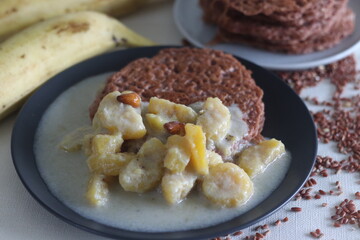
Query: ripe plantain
pixel 16 15
pixel 37 53
pixel 255 159
pixel 98 192
pixel 227 185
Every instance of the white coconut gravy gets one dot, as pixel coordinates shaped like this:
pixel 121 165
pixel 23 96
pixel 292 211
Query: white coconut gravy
pixel 67 174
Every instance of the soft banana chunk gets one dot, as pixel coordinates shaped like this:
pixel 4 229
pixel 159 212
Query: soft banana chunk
pixel 109 164
pixel 171 111
pixel 185 114
pixel 104 144
pixel 197 144
pixel 256 158
pixel 213 158
pixel 86 144
pixel 176 186
pixel 156 122
pixel 178 153
pixel 119 118
pixel 161 106
pixel 73 141
pixel 227 185
pixel 161 111
pixel 215 119
pixel 97 193
pixel 144 173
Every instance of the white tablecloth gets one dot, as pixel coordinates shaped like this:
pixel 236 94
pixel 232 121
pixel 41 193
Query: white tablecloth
pixel 21 217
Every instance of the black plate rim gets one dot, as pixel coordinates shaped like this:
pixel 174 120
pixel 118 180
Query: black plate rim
pixel 203 233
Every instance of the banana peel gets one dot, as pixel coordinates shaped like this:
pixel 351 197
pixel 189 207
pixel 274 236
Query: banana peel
pixel 16 15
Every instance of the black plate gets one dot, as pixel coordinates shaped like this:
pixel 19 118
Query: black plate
pixel 287 119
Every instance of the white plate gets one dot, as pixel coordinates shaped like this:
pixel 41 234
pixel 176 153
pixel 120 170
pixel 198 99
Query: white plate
pixel 188 18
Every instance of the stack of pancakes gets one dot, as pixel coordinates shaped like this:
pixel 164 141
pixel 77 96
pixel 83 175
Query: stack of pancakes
pixel 290 26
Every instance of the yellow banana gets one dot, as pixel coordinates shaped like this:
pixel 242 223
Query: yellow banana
pixel 37 53
pixel 19 14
